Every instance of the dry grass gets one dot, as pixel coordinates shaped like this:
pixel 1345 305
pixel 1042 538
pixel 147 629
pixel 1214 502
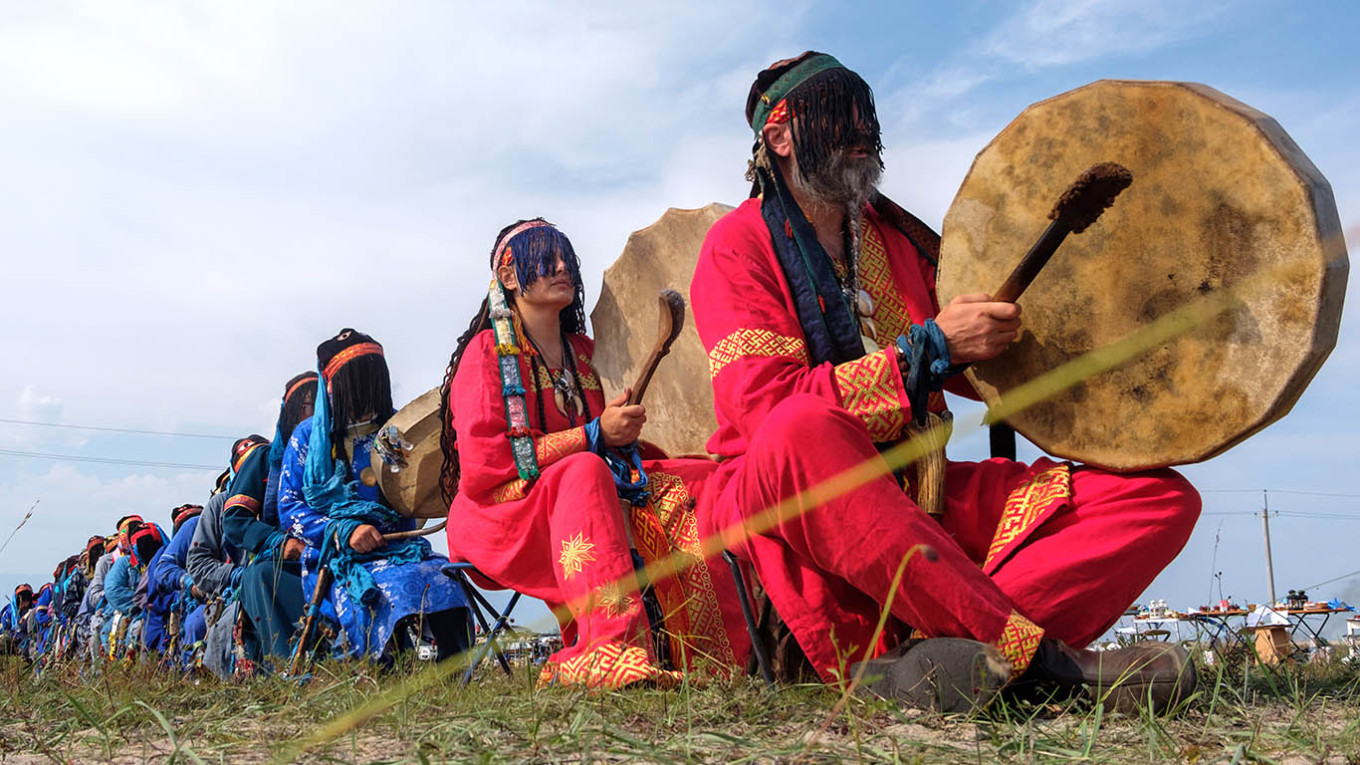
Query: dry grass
pixel 1304 714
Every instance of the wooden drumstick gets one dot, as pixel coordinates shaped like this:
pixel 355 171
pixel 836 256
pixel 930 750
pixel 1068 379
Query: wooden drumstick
pixel 671 321
pixel 1078 207
pixel 399 535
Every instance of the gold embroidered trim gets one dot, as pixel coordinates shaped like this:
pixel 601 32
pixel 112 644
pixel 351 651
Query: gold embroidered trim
pixel 509 491
pixel 694 618
pixel 542 379
pixel 755 342
pixel 608 667
pixel 1024 505
pixel 891 316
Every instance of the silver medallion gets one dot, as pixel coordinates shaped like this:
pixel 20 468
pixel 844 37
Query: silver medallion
pixel 865 304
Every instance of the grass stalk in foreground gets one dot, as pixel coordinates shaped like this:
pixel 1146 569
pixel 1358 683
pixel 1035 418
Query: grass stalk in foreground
pixel 1174 324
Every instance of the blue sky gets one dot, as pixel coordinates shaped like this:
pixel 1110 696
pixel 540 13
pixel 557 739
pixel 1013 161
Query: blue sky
pixel 195 195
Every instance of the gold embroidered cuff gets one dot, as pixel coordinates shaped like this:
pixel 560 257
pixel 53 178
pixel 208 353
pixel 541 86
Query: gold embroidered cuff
pixel 871 389
pixel 1019 641
pixel 509 491
pixel 551 447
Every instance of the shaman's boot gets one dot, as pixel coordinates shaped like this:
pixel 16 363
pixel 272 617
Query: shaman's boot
pixel 938 674
pixel 1153 675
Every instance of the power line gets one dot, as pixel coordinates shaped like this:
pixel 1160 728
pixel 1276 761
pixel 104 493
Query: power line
pixel 1316 493
pixel 1281 491
pixel 118 430
pixel 1329 581
pixel 1287 514
pixel 110 460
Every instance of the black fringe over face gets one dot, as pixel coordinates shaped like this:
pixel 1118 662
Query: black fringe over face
pixel 534 253
pixel 834 110
pixel 360 391
pixel 298 406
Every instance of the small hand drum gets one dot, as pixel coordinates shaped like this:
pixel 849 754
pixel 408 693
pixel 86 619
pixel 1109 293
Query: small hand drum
pixel 413 490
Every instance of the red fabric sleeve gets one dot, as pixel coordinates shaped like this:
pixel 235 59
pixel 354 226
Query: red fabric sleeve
pixel 757 354
pixel 486 464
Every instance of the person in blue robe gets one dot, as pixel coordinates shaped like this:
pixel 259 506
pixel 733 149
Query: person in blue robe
pixel 329 498
pixel 120 585
pixel 37 624
pixel 168 588
pixel 271 584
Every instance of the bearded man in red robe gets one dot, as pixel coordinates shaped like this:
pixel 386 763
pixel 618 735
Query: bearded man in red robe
pixel 800 297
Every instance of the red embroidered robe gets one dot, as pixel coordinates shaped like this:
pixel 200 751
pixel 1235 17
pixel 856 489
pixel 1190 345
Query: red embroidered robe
pixel 563 538
pixel 1021 549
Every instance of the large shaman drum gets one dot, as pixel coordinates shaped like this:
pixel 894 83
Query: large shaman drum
pixel 1222 199
pixel 662 256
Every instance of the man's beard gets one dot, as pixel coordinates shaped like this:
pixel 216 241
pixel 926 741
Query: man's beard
pixel 842 180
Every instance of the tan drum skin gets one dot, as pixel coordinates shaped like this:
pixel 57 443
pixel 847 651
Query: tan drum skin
pixel 1220 195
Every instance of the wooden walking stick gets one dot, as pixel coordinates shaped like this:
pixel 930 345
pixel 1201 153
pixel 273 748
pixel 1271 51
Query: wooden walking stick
pixel 324 577
pixel 173 627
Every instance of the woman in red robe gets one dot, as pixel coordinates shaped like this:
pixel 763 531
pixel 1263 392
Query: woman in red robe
pixel 536 507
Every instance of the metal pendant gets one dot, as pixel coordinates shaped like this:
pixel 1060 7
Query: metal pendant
pixel 564 395
pixel 577 409
pixel 870 345
pixel 868 327
pixel 865 304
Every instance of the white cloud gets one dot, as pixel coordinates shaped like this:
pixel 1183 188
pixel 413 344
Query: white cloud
pixel 75 504
pixel 1055 32
pixel 207 193
pixel 924 176
pixel 37 406
pixel 1040 35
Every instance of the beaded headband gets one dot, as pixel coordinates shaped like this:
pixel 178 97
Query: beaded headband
pixel 502 255
pixel 296 385
pixel 347 355
pixel 787 82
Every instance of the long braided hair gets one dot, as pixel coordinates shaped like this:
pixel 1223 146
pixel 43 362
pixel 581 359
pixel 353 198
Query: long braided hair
pixel 535 252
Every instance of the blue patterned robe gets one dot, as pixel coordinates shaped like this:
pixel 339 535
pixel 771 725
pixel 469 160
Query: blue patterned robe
pixel 407 589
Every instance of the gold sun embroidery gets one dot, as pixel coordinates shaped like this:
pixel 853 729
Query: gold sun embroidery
pixel 613 600
pixel 576 553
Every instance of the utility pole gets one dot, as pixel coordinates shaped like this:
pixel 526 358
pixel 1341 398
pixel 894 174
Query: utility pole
pixel 1265 528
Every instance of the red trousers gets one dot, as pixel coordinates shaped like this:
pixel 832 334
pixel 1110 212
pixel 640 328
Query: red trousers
pixel 828 567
